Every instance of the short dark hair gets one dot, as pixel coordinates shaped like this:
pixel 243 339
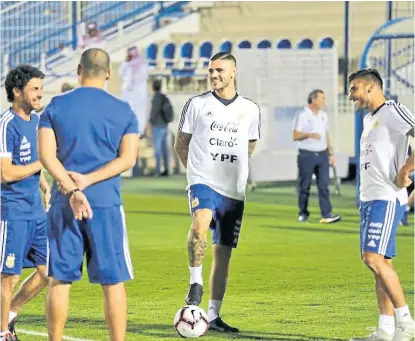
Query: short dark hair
pixel 19 77
pixel 371 74
pixel 95 62
pixel 157 85
pixel 313 95
pixel 223 55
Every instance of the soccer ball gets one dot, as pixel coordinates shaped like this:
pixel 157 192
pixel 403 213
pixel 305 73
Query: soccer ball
pixel 191 321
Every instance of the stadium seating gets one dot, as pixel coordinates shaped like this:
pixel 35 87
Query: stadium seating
pixel 225 46
pixel 193 57
pixel 244 44
pixel 326 43
pixel 169 54
pixel 151 54
pixel 33 30
pixel 284 44
pixel 264 44
pixel 205 52
pixel 289 20
pixel 305 44
pixel 186 56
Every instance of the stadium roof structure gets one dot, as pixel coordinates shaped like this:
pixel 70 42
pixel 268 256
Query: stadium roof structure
pixel 400 28
pixel 391 50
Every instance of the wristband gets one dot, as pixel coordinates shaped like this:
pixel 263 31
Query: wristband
pixel 69 195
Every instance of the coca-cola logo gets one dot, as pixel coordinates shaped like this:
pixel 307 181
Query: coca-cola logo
pixel 230 127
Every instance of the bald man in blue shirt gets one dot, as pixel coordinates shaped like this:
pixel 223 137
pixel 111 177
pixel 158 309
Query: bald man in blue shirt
pixel 87 138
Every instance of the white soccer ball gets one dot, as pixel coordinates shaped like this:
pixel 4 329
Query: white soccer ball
pixel 191 321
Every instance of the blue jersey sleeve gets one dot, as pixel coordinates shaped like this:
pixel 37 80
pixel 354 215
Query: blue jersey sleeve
pixel 132 127
pixel 46 117
pixel 7 138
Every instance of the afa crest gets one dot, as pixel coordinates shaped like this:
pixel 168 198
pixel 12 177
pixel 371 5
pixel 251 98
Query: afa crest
pixel 195 202
pixel 10 260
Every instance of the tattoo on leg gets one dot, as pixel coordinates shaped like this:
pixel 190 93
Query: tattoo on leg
pixel 196 246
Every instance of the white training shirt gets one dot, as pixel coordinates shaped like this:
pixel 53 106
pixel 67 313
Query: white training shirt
pixel 307 122
pixel 218 150
pixel 383 152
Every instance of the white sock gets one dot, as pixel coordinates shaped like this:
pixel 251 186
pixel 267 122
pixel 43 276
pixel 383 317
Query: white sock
pixel 196 274
pixel 214 309
pixel 403 314
pixel 387 324
pixel 12 316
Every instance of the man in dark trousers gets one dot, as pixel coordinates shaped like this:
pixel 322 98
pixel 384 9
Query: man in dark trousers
pixel 161 115
pixel 315 156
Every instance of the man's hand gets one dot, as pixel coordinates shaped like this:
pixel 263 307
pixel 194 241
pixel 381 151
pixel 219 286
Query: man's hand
pixel 80 206
pixel 80 180
pixel 332 160
pixel 402 178
pixel 46 200
pixel 315 136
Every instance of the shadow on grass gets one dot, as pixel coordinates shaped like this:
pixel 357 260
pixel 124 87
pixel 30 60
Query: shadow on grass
pixel 162 331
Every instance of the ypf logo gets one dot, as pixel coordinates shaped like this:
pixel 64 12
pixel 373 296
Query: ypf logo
pixel 224 157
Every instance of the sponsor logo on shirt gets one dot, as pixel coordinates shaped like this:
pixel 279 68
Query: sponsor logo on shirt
pixel 25 150
pixel 366 151
pixel 230 127
pixel 214 141
pixel 224 157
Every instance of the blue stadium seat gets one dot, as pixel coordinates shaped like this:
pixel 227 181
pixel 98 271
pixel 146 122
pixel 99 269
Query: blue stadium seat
pixel 205 52
pixel 245 44
pixel 305 44
pixel 284 44
pixel 264 44
pixel 169 53
pixel 151 54
pixel 326 43
pixel 206 49
pixel 225 46
pixel 186 54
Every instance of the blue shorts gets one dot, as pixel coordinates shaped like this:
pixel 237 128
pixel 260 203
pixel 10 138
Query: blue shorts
pixel 23 244
pixel 227 213
pixel 379 221
pixel 103 239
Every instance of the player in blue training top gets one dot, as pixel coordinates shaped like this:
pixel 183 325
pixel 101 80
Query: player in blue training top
pixel 23 230
pixel 97 136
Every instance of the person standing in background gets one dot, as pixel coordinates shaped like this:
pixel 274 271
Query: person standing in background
pixel 315 156
pixel 92 38
pixel 161 115
pixel 134 74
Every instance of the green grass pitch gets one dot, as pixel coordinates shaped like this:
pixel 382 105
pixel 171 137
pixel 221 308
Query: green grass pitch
pixel 287 282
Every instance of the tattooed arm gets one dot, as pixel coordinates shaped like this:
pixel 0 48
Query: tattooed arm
pixel 181 146
pixel 251 147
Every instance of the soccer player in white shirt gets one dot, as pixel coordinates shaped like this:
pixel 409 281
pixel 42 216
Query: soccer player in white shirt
pixel 217 134
pixel 384 174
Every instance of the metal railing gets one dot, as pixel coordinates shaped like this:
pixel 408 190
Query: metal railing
pixel 34 32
